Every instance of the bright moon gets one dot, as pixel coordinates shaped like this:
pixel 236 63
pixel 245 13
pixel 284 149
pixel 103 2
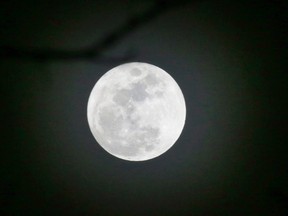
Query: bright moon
pixel 136 111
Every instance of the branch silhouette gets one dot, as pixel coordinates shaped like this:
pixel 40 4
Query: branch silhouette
pixel 94 52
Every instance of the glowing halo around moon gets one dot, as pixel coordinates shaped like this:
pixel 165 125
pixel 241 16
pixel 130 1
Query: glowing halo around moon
pixel 136 111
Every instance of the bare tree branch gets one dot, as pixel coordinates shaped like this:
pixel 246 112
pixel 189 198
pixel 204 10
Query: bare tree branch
pixel 94 52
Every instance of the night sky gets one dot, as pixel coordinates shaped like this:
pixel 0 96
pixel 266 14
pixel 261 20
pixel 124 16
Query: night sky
pixel 228 57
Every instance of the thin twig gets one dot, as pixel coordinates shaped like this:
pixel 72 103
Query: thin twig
pixel 94 52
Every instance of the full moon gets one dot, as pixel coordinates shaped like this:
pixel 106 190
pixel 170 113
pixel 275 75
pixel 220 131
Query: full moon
pixel 136 111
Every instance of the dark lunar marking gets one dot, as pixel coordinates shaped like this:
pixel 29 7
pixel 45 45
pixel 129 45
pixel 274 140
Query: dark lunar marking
pixel 135 72
pixel 133 122
pixel 151 80
pixel 130 109
pixel 149 147
pixel 138 92
pixel 151 135
pixel 159 93
pixel 122 97
pixel 110 122
pixel 152 132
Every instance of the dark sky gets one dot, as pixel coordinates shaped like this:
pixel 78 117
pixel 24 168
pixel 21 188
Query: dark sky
pixel 228 57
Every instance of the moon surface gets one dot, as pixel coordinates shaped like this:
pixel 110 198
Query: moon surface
pixel 136 111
